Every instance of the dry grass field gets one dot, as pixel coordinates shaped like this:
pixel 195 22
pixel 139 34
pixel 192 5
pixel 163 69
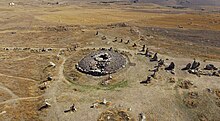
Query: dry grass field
pixel 36 35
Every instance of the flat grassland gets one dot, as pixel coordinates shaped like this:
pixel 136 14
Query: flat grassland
pixel 33 34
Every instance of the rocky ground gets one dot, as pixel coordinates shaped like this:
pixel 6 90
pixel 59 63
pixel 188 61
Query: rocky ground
pixel 41 43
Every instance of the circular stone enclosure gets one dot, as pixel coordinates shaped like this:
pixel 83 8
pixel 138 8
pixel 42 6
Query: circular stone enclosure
pixel 101 62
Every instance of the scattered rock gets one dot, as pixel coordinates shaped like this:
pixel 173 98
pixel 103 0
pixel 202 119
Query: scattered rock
pixel 171 66
pixel 193 95
pixel 121 41
pixel 116 39
pixel 194 71
pixel 154 75
pixel 103 38
pixel 187 67
pixel 57 28
pixel 127 42
pixel 43 86
pixel 129 109
pixel 115 115
pixel 105 102
pixel 210 67
pixel 3 112
pixel 192 100
pixel 186 84
pixel 160 63
pixel 142 117
pixel 95 105
pixel 97 33
pixel 209 90
pixel 156 69
pixel 195 65
pixel 49 78
pixel 143 48
pixel 98 103
pixel 11 4
pixel 215 74
pixel 147 53
pixel 134 45
pixel 45 105
pixel 13 32
pixel 135 31
pixel 107 80
pixel 72 109
pixel 118 25
pixel 191 103
pixel 172 80
pixel 179 26
pixel 147 81
pixel 155 58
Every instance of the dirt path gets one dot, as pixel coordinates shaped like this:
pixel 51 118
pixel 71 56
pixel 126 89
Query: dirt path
pixel 17 77
pixel 18 99
pixel 51 93
pixel 8 91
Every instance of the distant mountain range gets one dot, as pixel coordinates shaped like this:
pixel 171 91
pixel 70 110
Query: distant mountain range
pixel 184 2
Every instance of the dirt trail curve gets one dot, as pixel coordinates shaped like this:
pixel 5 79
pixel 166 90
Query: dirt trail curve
pixel 17 77
pixel 13 96
pixel 52 91
pixel 18 99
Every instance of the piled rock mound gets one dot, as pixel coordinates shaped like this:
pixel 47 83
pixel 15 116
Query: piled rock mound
pixel 115 115
pixel 101 62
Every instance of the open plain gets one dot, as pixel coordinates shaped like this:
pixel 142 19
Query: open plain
pixel 42 42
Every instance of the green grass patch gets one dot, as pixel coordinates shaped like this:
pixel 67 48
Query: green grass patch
pixel 113 87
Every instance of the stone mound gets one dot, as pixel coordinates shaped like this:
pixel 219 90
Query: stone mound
pixel 101 62
pixel 115 115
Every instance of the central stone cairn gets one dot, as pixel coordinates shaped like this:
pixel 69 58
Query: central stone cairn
pixel 101 62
